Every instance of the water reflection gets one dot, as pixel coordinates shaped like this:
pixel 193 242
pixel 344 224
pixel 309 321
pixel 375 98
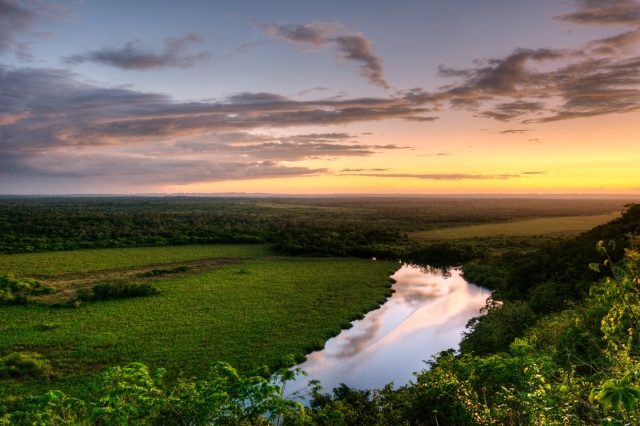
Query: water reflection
pixel 426 315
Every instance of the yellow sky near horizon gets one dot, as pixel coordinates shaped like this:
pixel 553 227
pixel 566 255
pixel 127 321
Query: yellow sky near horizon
pixel 589 155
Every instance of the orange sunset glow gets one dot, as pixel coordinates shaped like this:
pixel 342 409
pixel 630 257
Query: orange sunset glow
pixel 455 98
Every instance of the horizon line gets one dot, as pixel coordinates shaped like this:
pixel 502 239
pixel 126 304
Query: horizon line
pixel 327 195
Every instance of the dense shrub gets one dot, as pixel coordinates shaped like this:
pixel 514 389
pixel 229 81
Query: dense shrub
pixel 15 291
pixel 25 364
pixel 119 289
pixel 442 254
pixel 156 272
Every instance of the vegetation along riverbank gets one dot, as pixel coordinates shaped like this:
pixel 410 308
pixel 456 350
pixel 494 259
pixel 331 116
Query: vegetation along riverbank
pixel 88 285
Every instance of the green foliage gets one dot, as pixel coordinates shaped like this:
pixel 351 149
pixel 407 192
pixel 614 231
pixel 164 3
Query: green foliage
pixel 442 254
pixel 247 311
pixel 48 326
pixel 156 272
pixel 520 228
pixel 577 365
pixel 620 293
pixel 127 396
pixel 15 291
pixel 118 289
pixel 497 328
pixel 132 395
pixel 347 406
pixel 55 264
pixel 539 283
pixel 573 339
pixel 19 365
pixel 51 409
pixel 363 227
pixel 619 396
pixel 226 397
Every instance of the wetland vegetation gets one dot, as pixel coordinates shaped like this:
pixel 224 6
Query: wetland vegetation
pixel 91 285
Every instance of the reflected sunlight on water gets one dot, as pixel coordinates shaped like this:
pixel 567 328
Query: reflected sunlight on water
pixel 427 314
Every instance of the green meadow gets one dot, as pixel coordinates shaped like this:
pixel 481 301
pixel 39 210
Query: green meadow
pixel 564 225
pixel 240 304
pixel 55 264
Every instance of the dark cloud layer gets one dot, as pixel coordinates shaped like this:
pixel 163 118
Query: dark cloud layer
pixel 51 124
pixel 290 148
pixel 359 49
pixel 501 77
pixel 21 16
pixel 135 56
pixel 137 170
pixel 604 12
pixel 351 47
pixel 517 131
pixel 616 45
pixel 305 34
pixel 580 85
pixel 67 112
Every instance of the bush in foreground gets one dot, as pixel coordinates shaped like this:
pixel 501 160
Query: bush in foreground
pixel 133 395
pixel 118 289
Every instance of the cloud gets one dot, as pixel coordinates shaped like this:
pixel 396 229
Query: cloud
pixel 617 45
pixel 135 56
pixel 21 16
pixel 287 151
pixel 510 110
pixel 421 119
pixel 604 12
pixel 139 170
pixel 54 126
pixel 22 52
pixel 597 86
pixel 304 34
pixel 305 92
pixel 289 148
pixel 518 131
pixel 363 170
pixel 68 112
pixel 247 98
pixel 439 176
pixel 359 49
pixel 351 47
pixel 315 34
pixel 10 118
pixel 500 77
pixel 574 83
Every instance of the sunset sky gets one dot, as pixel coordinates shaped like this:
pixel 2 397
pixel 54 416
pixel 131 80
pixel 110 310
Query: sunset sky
pixel 327 97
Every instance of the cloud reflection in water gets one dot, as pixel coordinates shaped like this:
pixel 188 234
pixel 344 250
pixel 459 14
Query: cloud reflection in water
pixel 426 315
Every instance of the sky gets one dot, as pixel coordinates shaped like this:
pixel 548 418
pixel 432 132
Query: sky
pixel 331 97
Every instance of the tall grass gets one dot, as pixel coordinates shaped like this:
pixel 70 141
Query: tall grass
pixel 249 314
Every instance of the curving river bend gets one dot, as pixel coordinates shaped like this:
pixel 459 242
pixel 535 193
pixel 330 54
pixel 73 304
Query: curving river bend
pixel 427 314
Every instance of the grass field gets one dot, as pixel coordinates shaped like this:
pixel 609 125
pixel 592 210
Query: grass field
pixel 248 311
pixel 55 264
pixel 531 227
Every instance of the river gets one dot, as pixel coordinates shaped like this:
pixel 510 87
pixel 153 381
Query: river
pixel 427 314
